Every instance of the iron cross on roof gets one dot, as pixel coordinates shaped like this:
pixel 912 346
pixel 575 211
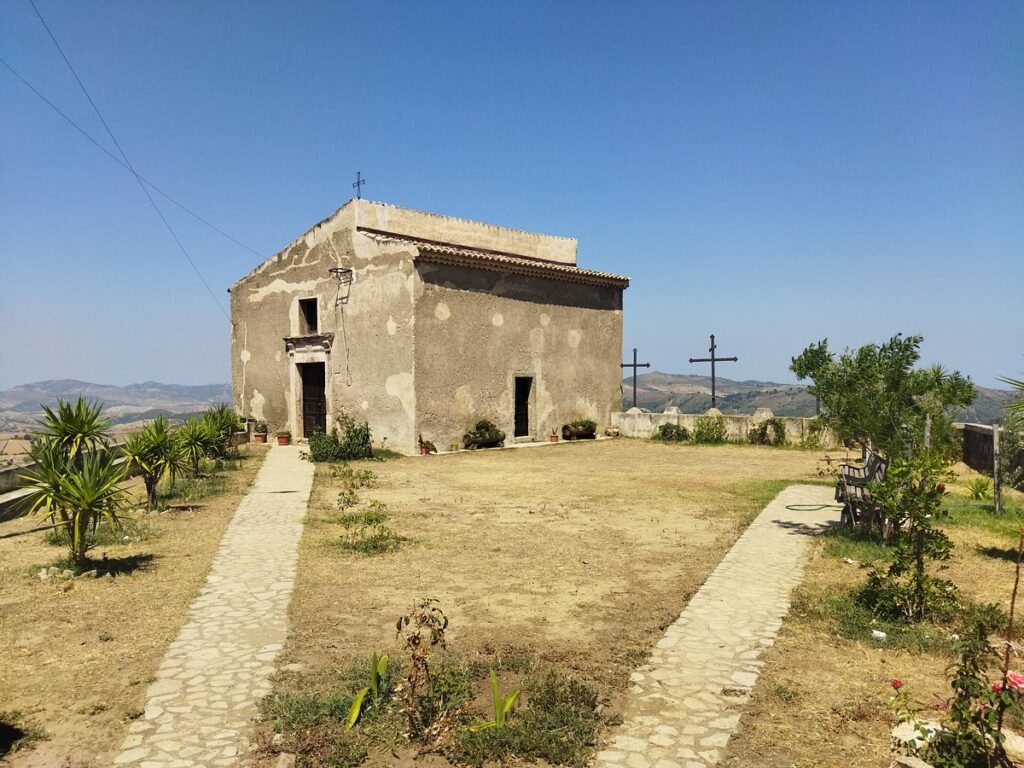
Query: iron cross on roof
pixel 358 184
pixel 713 360
pixel 634 365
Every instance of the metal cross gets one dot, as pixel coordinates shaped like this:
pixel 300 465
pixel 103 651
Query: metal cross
pixel 357 184
pixel 713 360
pixel 634 365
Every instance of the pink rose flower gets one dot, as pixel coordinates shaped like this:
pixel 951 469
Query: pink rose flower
pixel 997 687
pixel 1015 680
pixel 897 683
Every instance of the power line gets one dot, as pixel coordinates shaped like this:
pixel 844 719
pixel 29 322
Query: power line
pixel 166 195
pixel 128 162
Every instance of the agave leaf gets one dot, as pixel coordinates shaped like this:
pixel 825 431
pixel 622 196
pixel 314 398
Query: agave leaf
pixel 509 702
pixel 356 708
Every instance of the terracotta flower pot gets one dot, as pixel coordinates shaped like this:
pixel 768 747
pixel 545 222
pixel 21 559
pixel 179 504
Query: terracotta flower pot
pixel 259 437
pixel 284 439
pixel 552 438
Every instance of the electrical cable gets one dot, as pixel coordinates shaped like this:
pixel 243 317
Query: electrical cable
pixel 166 195
pixel 128 162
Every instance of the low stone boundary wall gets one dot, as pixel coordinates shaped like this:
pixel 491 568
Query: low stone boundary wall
pixel 638 423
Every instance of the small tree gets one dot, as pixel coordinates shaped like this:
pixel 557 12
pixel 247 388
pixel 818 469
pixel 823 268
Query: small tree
pixel 156 453
pixel 875 396
pixel 222 422
pixel 75 478
pixel 196 440
pixel 907 503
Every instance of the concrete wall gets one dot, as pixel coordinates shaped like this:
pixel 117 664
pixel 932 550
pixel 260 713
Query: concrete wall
pixel 476 331
pixel 369 364
pixel 638 423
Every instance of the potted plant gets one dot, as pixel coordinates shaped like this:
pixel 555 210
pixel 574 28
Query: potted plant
pixel 426 447
pixel 284 437
pixel 553 437
pixel 484 435
pixel 260 432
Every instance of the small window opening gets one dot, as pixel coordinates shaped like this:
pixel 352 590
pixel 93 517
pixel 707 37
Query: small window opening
pixel 307 317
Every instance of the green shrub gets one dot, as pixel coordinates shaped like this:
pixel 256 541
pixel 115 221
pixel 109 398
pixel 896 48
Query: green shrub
pixel 671 433
pixel 355 444
pixel 709 429
pixel 373 539
pixel 484 435
pixel 769 432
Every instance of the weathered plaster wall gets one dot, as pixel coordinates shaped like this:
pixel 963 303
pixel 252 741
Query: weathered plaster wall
pixel 432 226
pixel 371 355
pixel 476 331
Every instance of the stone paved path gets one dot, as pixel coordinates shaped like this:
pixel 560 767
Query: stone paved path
pixel 685 702
pixel 198 711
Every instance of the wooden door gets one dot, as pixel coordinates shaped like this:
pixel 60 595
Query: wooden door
pixel 314 398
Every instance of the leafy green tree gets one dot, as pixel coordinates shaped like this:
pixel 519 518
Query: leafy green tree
pixel 196 440
pixel 75 478
pixel 874 395
pixel 156 453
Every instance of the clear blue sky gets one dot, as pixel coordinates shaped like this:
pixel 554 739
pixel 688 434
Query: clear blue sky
pixel 770 172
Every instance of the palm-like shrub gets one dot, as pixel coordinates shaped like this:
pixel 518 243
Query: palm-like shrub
pixel 156 453
pixel 222 422
pixel 196 440
pixel 75 428
pixel 75 478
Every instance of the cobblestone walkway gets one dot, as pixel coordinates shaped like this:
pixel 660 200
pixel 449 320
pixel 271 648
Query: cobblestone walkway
pixel 198 710
pixel 685 702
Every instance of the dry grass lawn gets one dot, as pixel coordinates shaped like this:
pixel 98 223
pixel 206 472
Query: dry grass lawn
pixel 77 663
pixel 577 555
pixel 835 712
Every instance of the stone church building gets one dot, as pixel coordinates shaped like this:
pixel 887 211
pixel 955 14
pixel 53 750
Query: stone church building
pixel 422 324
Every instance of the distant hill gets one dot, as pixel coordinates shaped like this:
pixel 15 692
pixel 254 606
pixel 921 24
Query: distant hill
pixel 20 406
pixel 692 394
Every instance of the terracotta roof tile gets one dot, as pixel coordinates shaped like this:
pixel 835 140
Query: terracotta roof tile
pixel 480 258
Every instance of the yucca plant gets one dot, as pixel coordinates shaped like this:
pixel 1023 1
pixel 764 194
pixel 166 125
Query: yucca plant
pixel 156 453
pixel 222 422
pixel 502 706
pixel 980 488
pixel 75 428
pixel 76 497
pixel 196 440
pixel 378 688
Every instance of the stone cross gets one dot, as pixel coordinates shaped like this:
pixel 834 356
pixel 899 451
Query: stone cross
pixel 358 184
pixel 634 365
pixel 713 360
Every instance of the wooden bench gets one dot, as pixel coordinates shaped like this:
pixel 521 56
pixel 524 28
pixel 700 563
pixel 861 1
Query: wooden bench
pixel 853 488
